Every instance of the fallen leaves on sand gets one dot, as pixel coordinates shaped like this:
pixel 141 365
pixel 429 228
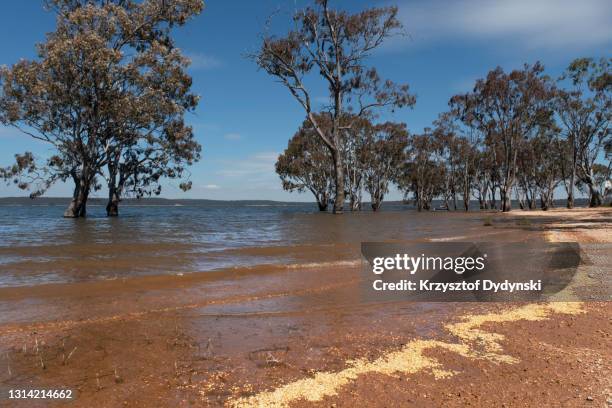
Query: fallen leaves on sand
pixel 411 359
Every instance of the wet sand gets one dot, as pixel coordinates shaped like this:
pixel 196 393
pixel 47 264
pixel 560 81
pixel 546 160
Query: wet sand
pixel 278 335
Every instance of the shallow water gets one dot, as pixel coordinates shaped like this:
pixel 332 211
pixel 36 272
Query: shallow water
pixel 38 246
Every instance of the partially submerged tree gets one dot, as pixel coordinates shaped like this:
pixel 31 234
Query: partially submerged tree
pixel 471 166
pixel 503 139
pixel 354 141
pixel 421 175
pixel 108 90
pixel 510 108
pixel 335 45
pixel 602 175
pixel 384 155
pixel 306 164
pixel 372 154
pixel 585 112
pixel 547 174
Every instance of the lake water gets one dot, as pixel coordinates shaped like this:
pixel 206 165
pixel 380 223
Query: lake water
pixel 38 246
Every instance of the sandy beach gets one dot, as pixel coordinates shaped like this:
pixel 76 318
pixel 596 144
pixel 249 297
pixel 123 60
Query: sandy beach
pixel 305 204
pixel 301 337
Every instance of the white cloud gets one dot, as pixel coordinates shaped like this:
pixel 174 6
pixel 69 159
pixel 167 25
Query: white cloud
pixel 211 187
pixel 232 136
pixel 203 62
pixel 556 24
pixel 266 157
pixel 254 170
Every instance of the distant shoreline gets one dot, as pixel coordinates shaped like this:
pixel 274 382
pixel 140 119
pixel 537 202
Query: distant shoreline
pixel 171 202
pixel 155 201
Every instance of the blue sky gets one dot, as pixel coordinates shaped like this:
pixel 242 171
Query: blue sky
pixel 245 119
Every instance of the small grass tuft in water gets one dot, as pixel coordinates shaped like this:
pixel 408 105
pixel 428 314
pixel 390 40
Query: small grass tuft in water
pixel 118 379
pixel 523 222
pixel 65 360
pixel 8 364
pixel 488 222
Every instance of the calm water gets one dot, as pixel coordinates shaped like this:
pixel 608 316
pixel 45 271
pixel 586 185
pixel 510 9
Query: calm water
pixel 38 246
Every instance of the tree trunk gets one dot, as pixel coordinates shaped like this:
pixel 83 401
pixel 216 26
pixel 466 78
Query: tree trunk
pixel 339 172
pixel 482 197
pixel 466 198
pixel 114 190
pixel 112 208
pixel 596 199
pixel 595 196
pixel 505 198
pixel 492 202
pixel 532 201
pixel 322 202
pixel 544 204
pixel 78 205
pixel 482 203
pixel 77 208
pixel 570 193
pixel 507 204
pixel 550 198
pixel 355 202
pixel 376 201
pixel 520 197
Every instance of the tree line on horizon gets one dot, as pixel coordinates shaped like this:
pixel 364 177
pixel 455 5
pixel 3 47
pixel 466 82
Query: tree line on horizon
pixel 517 133
pixel 466 155
pixel 109 92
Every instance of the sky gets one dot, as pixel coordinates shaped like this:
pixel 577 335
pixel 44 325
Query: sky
pixel 245 118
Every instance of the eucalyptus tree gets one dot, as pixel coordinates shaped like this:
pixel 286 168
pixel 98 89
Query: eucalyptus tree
pixel 331 46
pixel 472 165
pixel 561 150
pixel 602 175
pixel 355 141
pixel 482 179
pixel 306 164
pixel 527 167
pixel 466 166
pixel 601 178
pixel 384 155
pixel 108 93
pixel 585 111
pixel 441 146
pixel 548 174
pixel 422 175
pixel 509 108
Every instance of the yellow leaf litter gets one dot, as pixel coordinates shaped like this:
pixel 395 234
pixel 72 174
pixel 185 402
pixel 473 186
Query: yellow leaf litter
pixel 410 358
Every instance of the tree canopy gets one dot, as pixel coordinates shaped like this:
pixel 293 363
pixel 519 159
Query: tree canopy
pixel 108 92
pixel 334 45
